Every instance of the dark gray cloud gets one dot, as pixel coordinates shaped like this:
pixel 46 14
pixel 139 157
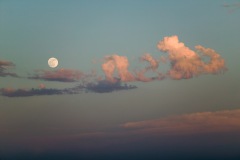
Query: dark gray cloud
pixel 32 92
pixel 98 87
pixel 104 86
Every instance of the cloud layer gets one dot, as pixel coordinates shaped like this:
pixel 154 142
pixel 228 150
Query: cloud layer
pixel 184 64
pixel 9 92
pixel 96 87
pixel 202 122
pixel 106 86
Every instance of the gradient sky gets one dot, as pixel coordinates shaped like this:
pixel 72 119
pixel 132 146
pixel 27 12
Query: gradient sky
pixel 126 123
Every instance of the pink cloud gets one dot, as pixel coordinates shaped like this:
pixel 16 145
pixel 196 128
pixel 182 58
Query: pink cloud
pixel 153 62
pixel 153 66
pixel 41 86
pixel 62 75
pixel 120 64
pixel 202 122
pixel 186 63
pixel 216 63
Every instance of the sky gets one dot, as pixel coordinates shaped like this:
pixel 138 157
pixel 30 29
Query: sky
pixel 144 79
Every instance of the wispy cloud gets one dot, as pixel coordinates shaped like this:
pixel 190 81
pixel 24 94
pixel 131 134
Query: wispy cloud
pixel 97 87
pixel 104 86
pixel 180 130
pixel 153 66
pixel 4 66
pixel 60 75
pixel 9 92
pixel 232 7
pixel 202 122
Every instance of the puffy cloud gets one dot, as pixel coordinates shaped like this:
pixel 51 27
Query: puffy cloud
pixel 4 65
pixel 120 64
pixel 186 63
pixel 202 122
pixel 153 66
pixel 61 75
pixel 216 63
pixel 153 62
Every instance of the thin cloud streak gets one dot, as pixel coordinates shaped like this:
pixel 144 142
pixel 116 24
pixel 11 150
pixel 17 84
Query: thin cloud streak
pixel 9 92
pixel 97 87
pixel 4 66
pixel 226 122
pixel 202 122
pixel 106 86
pixel 232 7
pixel 60 75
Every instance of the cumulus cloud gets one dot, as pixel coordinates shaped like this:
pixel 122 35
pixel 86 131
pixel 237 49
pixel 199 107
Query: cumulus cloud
pixel 186 63
pixel 153 66
pixel 202 122
pixel 216 63
pixel 153 62
pixel 4 65
pixel 115 68
pixel 120 64
pixel 61 75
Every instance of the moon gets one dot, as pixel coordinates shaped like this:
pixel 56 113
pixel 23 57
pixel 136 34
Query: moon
pixel 52 62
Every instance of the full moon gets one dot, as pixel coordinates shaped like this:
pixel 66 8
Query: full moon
pixel 53 62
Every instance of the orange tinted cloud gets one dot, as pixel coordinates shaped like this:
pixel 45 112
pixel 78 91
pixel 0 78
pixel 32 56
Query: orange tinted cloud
pixel 202 122
pixel 41 86
pixel 186 63
pixel 153 62
pixel 120 64
pixel 216 63
pixel 153 66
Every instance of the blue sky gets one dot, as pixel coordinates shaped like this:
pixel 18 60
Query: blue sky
pixel 80 34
